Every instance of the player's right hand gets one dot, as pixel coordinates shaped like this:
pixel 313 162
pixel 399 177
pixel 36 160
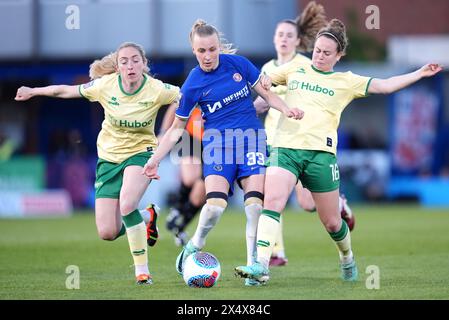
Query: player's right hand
pixel 430 69
pixel 23 93
pixel 295 113
pixel 150 170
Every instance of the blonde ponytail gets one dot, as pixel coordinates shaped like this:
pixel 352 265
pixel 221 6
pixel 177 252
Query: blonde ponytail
pixel 104 66
pixel 203 29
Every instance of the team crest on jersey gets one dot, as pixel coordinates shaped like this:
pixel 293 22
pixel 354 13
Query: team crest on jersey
pixel 237 77
pixel 145 104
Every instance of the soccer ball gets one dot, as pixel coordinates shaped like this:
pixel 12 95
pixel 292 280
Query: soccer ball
pixel 201 270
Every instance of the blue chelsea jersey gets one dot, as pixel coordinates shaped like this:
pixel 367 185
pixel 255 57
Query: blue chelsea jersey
pixel 223 94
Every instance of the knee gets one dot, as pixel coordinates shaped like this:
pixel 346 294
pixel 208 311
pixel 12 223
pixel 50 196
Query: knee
pixel 215 205
pixel 107 235
pixel 275 202
pixel 332 225
pixel 217 199
pixel 307 206
pixel 127 206
pixel 253 197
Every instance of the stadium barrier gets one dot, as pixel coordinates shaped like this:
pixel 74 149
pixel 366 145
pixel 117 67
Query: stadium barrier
pixel 431 192
pixel 17 204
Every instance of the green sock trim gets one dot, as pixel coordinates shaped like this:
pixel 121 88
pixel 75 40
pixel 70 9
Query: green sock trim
pixel 262 243
pixel 272 214
pixel 138 252
pixel 340 235
pixel 132 219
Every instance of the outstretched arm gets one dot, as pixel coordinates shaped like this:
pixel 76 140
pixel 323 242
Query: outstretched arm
pixel 56 91
pixel 168 141
pixel 393 84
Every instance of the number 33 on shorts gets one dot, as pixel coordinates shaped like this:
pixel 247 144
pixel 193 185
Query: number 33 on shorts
pixel 255 158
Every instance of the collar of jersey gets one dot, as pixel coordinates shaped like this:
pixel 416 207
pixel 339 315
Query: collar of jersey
pixel 137 91
pixel 322 72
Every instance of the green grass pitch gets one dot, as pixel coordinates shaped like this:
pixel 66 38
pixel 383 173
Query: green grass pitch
pixel 409 245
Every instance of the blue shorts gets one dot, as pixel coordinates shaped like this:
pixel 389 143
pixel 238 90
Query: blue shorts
pixel 236 157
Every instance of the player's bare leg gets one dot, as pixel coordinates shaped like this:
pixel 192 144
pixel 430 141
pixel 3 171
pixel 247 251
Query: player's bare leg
pixel 108 218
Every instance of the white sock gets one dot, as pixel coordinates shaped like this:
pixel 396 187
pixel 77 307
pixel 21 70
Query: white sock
pixel 281 254
pixel 209 216
pixel 346 258
pixel 252 219
pixel 141 269
pixel 344 246
pixel 267 230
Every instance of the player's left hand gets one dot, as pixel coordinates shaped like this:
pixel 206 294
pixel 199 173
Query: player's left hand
pixel 265 81
pixel 295 113
pixel 430 69
pixel 150 170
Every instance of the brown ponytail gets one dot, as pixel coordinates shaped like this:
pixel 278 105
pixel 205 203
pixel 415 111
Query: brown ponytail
pixel 307 25
pixel 311 20
pixel 336 31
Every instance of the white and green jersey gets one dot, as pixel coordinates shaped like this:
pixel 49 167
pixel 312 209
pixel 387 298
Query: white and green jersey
pixel 273 115
pixel 323 96
pixel 128 127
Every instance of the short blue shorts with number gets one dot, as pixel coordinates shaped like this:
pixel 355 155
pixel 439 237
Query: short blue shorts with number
pixel 235 154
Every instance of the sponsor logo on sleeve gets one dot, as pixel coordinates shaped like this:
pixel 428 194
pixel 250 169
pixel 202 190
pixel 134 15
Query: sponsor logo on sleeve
pixel 88 85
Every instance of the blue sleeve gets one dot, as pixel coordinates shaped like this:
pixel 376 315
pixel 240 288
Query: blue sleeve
pixel 188 101
pixel 249 70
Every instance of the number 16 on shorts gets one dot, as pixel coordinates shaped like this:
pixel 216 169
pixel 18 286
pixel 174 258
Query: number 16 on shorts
pixel 335 172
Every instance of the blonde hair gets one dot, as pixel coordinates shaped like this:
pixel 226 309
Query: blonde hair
pixel 108 64
pixel 311 20
pixel 336 31
pixel 203 29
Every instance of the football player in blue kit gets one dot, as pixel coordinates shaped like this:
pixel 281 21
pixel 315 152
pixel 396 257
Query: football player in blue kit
pixel 234 141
